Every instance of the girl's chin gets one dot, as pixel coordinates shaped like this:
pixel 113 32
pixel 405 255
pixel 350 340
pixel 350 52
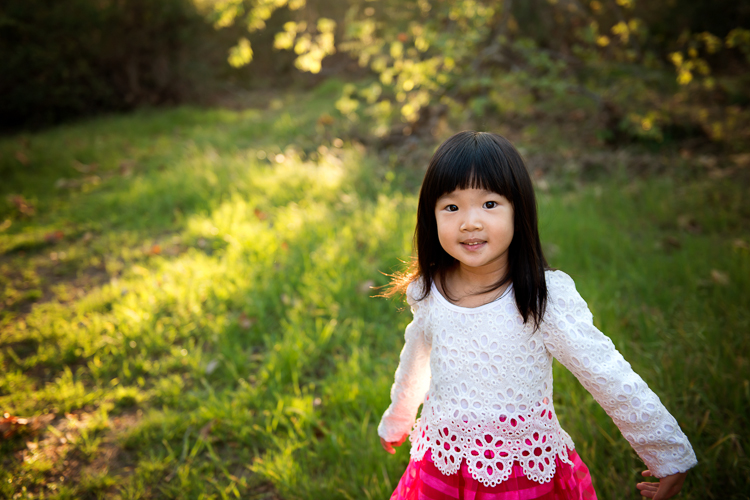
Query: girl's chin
pixel 478 263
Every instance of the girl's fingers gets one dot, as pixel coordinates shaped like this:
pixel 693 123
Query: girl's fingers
pixel 647 486
pixel 666 487
pixel 647 490
pixel 387 446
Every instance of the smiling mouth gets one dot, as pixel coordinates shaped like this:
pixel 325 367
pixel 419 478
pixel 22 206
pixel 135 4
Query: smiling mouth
pixel 473 244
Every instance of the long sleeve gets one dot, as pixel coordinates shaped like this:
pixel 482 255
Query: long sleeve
pixel 412 378
pixel 570 335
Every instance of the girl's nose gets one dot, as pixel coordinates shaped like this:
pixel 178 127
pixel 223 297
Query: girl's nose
pixel 472 223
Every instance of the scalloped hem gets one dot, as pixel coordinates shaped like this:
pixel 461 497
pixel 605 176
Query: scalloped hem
pixel 424 481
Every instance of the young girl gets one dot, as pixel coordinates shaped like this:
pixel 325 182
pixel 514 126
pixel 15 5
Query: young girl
pixel 489 316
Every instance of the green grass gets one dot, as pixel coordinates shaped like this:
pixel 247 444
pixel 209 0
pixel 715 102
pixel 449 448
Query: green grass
pixel 200 309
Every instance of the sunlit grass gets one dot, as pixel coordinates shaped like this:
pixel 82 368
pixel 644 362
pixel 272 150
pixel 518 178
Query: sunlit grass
pixel 207 308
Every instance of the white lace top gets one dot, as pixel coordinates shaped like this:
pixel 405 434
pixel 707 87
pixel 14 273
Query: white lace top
pixel 489 399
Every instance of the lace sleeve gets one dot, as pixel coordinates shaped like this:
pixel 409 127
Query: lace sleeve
pixel 412 376
pixel 572 338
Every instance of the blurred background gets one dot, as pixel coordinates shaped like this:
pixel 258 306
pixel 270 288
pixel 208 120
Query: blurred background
pixel 200 198
pixel 653 71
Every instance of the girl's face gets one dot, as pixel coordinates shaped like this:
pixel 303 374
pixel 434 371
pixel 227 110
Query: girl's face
pixel 475 227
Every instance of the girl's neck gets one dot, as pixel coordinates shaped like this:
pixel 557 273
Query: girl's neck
pixel 468 287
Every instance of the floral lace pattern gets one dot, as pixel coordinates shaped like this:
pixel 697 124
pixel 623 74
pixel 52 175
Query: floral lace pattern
pixel 489 400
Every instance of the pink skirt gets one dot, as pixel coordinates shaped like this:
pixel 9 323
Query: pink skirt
pixel 423 481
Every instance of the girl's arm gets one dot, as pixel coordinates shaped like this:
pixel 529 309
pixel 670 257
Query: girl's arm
pixel 412 377
pixel 572 338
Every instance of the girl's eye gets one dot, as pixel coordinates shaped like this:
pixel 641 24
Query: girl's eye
pixel 452 208
pixel 490 204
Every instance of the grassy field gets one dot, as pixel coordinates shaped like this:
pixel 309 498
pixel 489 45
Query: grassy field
pixel 185 308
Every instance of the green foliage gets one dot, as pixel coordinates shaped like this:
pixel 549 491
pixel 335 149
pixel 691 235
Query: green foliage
pixel 657 71
pixel 71 58
pixel 206 318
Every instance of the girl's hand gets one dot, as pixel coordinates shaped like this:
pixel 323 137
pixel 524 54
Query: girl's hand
pixel 667 487
pixel 388 445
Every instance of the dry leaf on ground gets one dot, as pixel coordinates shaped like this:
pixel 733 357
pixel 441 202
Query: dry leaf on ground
pixel 23 205
pixel 719 277
pixel 22 158
pixel 245 321
pixel 11 425
pixel 84 168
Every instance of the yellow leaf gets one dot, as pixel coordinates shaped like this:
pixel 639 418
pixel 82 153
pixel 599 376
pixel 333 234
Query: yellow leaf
pixel 241 54
pixel 284 40
pixel 684 76
pixel 326 25
pixel 397 50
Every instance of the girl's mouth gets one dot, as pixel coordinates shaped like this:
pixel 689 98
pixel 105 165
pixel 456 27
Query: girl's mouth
pixel 473 245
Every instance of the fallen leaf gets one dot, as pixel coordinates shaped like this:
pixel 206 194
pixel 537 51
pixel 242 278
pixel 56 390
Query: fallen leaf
pixel 23 205
pixel 708 161
pixel 671 242
pixel 54 236
pixel 325 119
pixel 245 321
pixel 741 244
pixel 206 429
pixel 741 160
pixel 577 115
pixel 212 366
pixel 284 245
pixel 10 425
pixel 5 225
pixel 155 250
pixel 688 223
pixel 22 158
pixel 126 167
pixel 719 277
pixel 260 214
pixel 83 168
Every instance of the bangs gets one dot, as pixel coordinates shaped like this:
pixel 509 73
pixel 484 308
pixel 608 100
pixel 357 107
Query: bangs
pixel 475 162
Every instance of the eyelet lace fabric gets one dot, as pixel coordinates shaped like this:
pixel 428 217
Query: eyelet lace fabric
pixel 485 382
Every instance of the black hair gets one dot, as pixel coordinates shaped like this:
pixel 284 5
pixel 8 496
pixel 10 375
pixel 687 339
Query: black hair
pixel 488 161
